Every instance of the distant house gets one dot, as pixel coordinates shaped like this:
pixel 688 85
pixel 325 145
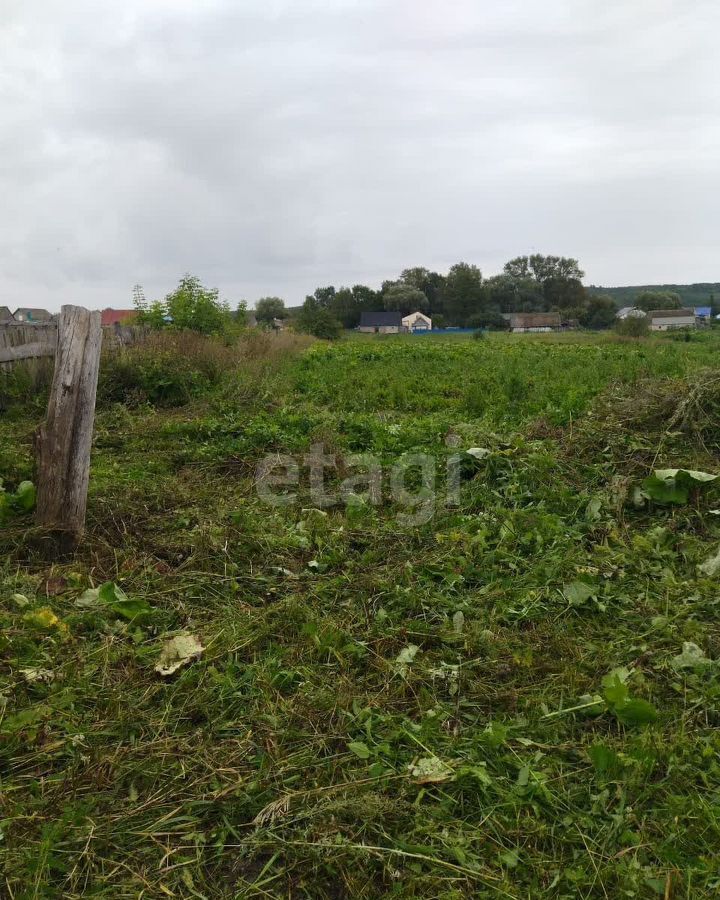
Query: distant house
pixel 630 312
pixel 5 315
pixel 665 319
pixel 117 316
pixel 25 314
pixel 522 323
pixel 278 324
pixel 381 323
pixel 417 321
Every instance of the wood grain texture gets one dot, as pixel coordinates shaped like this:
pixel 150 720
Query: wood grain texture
pixel 26 351
pixel 65 440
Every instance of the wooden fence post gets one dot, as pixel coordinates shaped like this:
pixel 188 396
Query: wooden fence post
pixel 64 441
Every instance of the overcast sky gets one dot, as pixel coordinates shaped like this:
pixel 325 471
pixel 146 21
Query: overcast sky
pixel 271 146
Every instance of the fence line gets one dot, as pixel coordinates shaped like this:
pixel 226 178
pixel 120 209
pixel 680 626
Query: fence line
pixel 22 341
pixel 26 342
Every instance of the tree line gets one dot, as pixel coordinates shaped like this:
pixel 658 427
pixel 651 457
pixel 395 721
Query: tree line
pixel 464 298
pixel 460 298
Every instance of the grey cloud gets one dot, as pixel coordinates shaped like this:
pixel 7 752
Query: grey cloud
pixel 274 146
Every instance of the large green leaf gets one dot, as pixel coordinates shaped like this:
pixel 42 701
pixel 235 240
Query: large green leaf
pixel 673 486
pixel 636 712
pixel 25 495
pixel 121 604
pixel 577 593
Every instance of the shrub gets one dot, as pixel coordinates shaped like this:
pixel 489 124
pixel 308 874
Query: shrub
pixel 633 326
pixel 168 369
pixel 191 306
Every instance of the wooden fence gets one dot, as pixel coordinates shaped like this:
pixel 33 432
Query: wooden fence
pixel 22 341
pixel 63 442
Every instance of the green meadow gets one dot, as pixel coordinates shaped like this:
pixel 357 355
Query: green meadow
pixel 516 695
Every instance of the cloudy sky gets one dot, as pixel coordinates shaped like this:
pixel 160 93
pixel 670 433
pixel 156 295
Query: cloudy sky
pixel 271 146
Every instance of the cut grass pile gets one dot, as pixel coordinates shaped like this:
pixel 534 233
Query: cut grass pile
pixel 519 698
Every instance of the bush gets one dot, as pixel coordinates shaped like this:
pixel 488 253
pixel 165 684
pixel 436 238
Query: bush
pixel 191 306
pixel 168 369
pixel 633 326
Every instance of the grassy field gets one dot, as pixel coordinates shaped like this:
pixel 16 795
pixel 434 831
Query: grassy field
pixel 517 697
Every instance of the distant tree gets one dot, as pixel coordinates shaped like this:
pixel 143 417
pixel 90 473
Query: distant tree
pixel 510 294
pixel 154 314
pixel 648 300
pixel 343 308
pixel 190 306
pixel 490 319
pixel 317 320
pixel 405 298
pixel 269 308
pixel 564 294
pixel 241 314
pixel 326 326
pixel 197 308
pixel 463 293
pixel 430 283
pixel 543 268
pixel 325 296
pixel 600 312
pixel 633 326
pixel 347 304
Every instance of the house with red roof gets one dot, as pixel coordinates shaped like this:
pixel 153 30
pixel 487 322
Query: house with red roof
pixel 118 316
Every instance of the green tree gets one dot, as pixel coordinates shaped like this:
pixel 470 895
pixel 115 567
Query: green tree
pixel 463 293
pixel 405 298
pixel 317 320
pixel 510 294
pixel 430 283
pixel 600 312
pixel 566 294
pixel 648 300
pixel 543 268
pixel 269 308
pixel 197 308
pixel 490 319
pixel 241 314
pixel 190 306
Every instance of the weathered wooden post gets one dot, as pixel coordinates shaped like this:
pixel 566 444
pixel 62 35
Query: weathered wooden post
pixel 64 441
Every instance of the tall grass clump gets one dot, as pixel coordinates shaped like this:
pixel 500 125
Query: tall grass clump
pixel 171 368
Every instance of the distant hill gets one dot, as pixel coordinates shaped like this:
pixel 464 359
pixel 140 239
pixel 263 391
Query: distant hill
pixel 691 294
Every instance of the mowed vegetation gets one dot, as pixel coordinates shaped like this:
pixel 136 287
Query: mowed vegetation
pixel 517 698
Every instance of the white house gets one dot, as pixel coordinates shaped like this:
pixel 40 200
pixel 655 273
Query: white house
pixel 630 312
pixel 417 321
pixel 665 319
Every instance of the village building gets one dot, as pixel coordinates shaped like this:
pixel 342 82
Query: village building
pixel 522 323
pixel 417 321
pixel 666 319
pixel 27 314
pixel 6 316
pixel 117 317
pixel 387 322
pixel 630 312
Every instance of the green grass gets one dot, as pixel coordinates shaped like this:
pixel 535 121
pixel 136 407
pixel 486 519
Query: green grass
pixel 343 651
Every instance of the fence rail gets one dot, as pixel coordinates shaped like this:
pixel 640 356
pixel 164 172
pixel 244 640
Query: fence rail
pixel 27 342
pixel 20 341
